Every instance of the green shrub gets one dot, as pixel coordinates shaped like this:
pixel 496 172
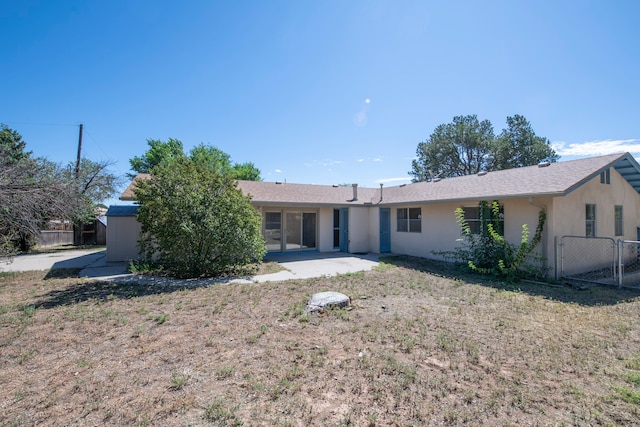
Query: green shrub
pixel 196 222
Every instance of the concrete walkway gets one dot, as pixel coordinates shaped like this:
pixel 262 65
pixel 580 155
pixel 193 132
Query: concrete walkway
pixel 94 265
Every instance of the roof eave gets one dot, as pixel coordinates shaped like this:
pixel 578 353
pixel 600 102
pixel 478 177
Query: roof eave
pixel 475 198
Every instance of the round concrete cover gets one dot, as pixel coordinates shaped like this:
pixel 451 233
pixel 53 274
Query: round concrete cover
pixel 326 299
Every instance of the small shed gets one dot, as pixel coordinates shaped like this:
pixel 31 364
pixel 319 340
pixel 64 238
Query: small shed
pixel 123 233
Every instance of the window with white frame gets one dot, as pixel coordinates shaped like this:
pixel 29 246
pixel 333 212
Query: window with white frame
pixel 478 217
pixel 409 220
pixel 619 220
pixel 590 223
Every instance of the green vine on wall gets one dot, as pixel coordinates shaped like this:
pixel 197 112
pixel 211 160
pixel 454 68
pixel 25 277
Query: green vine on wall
pixel 488 252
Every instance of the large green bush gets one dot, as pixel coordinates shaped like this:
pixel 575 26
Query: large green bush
pixel 196 222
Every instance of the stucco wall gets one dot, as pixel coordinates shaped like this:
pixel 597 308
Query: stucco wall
pixel 325 229
pixel 570 211
pixel 122 238
pixel 440 232
pixel 374 229
pixel 358 229
pixel 434 222
pixel 569 217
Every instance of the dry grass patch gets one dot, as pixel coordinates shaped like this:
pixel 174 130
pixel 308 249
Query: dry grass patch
pixel 418 347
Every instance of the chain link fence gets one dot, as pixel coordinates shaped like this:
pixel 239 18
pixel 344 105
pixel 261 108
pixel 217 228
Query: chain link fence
pixel 588 259
pixel 628 263
pixel 600 260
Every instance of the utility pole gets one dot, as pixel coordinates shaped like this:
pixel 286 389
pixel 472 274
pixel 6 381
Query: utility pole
pixel 77 229
pixel 79 152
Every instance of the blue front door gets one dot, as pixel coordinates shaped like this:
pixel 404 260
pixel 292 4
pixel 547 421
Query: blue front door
pixel 344 229
pixel 385 230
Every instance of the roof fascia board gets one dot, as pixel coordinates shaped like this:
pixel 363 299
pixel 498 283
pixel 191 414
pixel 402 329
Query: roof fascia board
pixel 471 199
pixel 306 205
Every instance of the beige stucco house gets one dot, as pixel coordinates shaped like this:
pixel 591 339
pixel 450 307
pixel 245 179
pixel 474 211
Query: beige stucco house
pixel 594 197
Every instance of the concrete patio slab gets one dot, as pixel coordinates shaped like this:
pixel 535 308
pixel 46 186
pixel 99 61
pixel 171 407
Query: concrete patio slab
pixel 93 264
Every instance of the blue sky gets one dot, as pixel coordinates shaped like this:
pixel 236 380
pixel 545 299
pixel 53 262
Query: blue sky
pixel 324 92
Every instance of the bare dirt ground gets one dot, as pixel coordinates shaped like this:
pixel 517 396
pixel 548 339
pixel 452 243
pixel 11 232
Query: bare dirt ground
pixel 418 347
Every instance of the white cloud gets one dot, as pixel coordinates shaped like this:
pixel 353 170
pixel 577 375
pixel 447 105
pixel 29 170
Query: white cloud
pixel 329 162
pixel 367 101
pixel 388 180
pixel 597 148
pixel 370 159
pixel 278 171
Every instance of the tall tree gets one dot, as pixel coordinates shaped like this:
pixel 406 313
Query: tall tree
pixel 32 191
pixel 12 147
pixel 216 159
pixel 208 156
pixel 518 145
pixel 159 152
pixel 454 149
pixel 467 146
pixel 35 190
pixel 94 184
pixel 196 222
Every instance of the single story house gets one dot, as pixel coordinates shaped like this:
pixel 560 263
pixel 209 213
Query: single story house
pixel 591 197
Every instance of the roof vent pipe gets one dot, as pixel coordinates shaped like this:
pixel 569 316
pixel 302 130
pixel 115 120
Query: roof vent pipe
pixel 355 192
pixel 381 185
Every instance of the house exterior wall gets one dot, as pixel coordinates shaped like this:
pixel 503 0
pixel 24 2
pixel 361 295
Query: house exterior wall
pixel 421 244
pixel 123 233
pixel 569 218
pixel 374 229
pixel 358 229
pixel 440 231
pixel 325 229
pixel 324 222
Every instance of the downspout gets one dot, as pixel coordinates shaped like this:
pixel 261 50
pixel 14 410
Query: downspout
pixel 543 242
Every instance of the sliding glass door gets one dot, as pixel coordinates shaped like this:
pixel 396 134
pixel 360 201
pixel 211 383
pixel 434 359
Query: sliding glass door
pixel 298 228
pixel 273 230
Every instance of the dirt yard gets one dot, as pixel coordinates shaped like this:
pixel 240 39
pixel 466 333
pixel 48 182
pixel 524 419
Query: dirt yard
pixel 417 347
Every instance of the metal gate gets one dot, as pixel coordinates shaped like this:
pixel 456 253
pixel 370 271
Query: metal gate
pixel 600 260
pixel 588 259
pixel 629 263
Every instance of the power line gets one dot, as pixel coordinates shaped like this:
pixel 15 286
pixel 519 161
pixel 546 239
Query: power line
pixel 95 142
pixel 37 124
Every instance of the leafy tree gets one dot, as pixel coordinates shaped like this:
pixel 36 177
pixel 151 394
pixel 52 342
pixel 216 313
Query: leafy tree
pixel 195 221
pixel 454 149
pixel 207 156
pixel 467 146
pixel 159 152
pixel 35 190
pixel 93 185
pixel 246 171
pixel 518 145
pixel 12 147
pixel 32 191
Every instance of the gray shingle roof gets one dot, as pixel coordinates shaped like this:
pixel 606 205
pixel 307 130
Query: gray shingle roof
pixel 556 179
pixel 272 193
